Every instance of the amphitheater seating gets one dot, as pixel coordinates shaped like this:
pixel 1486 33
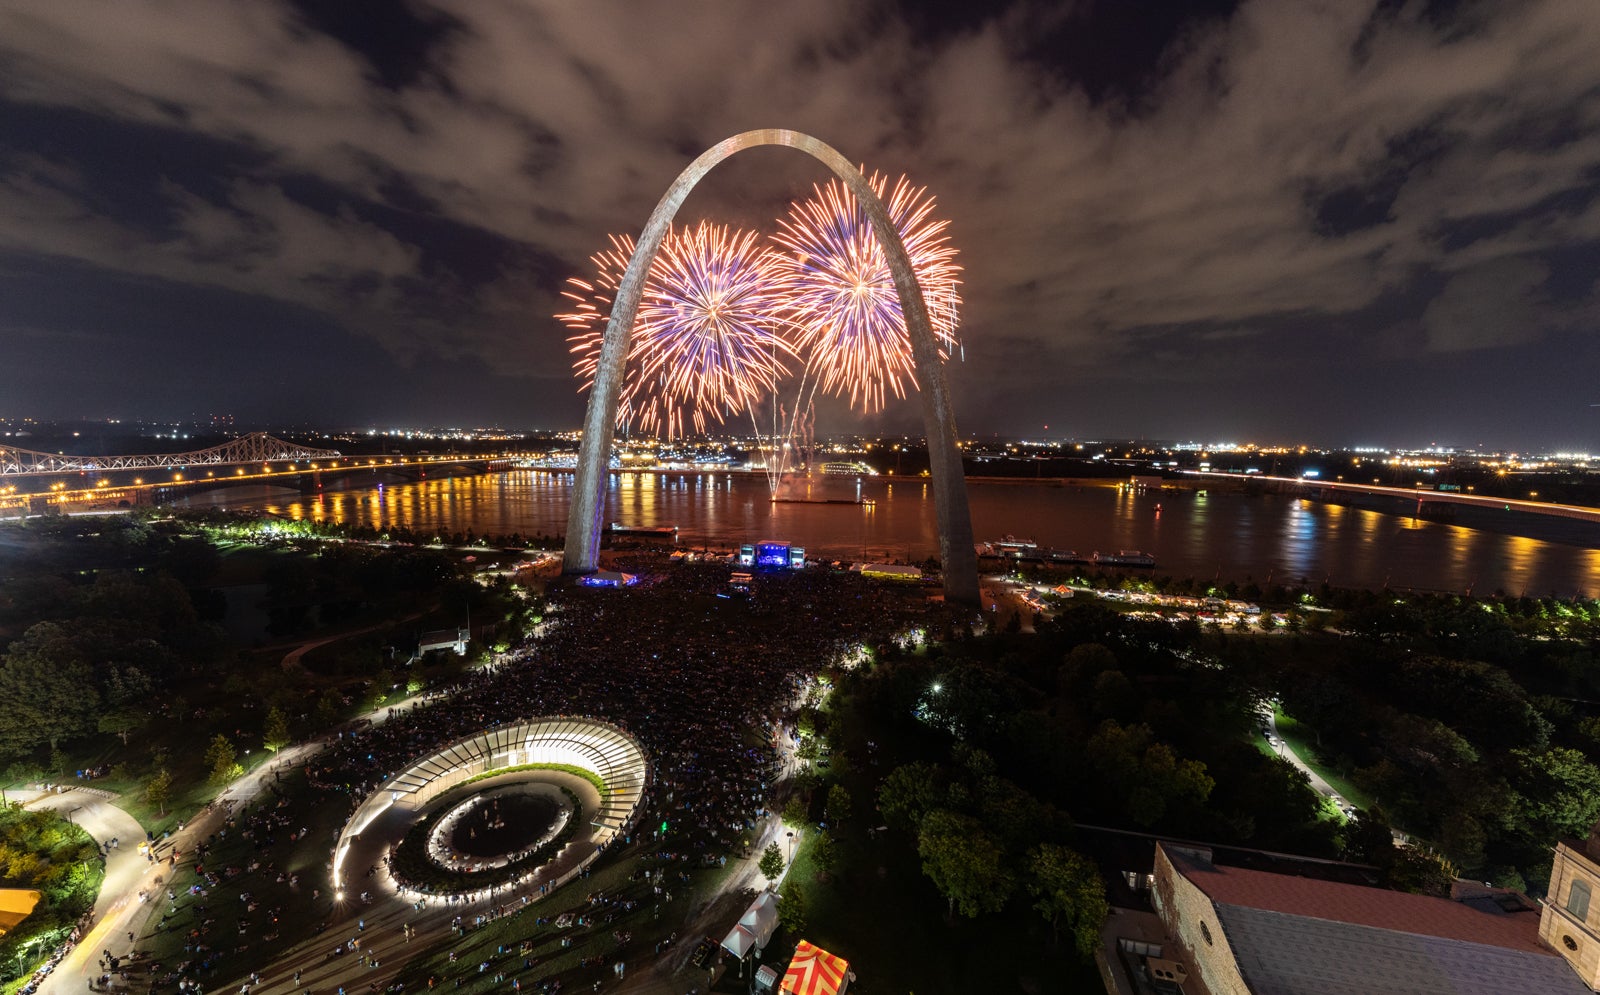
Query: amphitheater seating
pixel 593 745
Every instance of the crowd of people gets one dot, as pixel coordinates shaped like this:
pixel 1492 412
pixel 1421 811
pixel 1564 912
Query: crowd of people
pixel 703 680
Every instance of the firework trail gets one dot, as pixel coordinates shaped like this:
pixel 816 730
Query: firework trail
pixel 841 297
pixel 709 339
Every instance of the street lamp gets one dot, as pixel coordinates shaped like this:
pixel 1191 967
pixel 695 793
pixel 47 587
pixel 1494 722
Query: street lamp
pixel 790 834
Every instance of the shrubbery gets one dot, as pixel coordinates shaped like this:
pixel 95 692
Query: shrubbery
pixel 43 851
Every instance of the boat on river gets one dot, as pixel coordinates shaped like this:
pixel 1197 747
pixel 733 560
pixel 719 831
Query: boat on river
pixel 1010 546
pixel 1123 558
pixel 657 531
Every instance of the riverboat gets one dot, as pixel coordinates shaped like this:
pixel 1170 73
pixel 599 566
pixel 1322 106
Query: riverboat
pixel 1010 546
pixel 1124 558
pixel 660 531
pixel 1064 556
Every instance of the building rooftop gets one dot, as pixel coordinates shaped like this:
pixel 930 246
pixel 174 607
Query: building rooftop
pixel 1378 908
pixel 1282 954
pixel 1292 935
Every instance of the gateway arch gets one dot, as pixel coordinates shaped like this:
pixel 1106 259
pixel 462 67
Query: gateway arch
pixel 585 520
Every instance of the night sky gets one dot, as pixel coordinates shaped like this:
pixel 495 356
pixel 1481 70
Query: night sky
pixel 1338 221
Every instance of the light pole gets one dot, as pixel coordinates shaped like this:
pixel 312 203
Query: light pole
pixel 790 834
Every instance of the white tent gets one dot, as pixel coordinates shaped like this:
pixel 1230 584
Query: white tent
pixel 761 918
pixel 739 942
pixel 755 927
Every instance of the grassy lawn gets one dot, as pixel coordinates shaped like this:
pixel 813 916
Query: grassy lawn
pixel 1303 741
pixel 283 915
pixel 881 913
pixel 1259 741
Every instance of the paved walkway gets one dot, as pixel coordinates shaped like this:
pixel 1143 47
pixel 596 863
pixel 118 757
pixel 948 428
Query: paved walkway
pixel 1321 786
pixel 1270 716
pixel 127 872
pixel 291 660
pixel 119 911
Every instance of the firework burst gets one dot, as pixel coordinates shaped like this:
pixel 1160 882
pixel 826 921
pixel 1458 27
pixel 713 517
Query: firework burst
pixel 841 297
pixel 708 340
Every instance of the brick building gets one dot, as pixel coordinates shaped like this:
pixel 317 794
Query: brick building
pixel 1235 931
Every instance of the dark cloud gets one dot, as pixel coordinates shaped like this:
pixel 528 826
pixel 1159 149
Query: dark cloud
pixel 1177 192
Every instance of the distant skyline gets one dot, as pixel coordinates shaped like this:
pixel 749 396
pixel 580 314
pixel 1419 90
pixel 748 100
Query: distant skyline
pixel 177 431
pixel 1350 223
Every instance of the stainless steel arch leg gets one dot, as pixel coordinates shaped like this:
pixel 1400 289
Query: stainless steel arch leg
pixel 585 521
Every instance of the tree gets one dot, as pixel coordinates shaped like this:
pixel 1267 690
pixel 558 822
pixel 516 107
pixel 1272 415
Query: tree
pixel 1562 792
pixel 1068 892
pixel 122 723
pixel 838 806
pixel 1147 776
pixel 220 759
pixel 383 683
pixel 771 865
pixel 796 811
pixel 1420 871
pixel 48 689
pixel 158 789
pixel 964 863
pixel 275 734
pixel 909 793
pixel 328 707
pixel 792 906
pixel 824 855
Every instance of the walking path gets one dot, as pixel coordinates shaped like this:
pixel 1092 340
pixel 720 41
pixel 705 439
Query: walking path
pixel 291 660
pixel 1318 783
pixel 127 872
pixel 121 913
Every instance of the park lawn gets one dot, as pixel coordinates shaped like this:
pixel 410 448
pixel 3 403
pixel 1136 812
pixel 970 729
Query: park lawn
pixel 1258 740
pixel 299 918
pixel 185 744
pixel 879 912
pixel 1303 741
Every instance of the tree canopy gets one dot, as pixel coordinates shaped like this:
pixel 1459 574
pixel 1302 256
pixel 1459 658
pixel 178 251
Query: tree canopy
pixel 964 863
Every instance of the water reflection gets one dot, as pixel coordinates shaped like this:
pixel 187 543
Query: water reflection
pixel 1208 535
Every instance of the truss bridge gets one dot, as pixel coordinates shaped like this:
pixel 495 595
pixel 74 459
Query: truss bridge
pixel 255 448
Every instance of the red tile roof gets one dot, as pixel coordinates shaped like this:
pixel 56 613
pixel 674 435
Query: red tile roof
pixel 1375 907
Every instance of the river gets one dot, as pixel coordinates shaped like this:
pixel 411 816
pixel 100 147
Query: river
pixel 1209 535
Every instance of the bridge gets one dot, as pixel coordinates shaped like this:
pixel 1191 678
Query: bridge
pixel 1425 499
pixel 257 447
pixel 34 483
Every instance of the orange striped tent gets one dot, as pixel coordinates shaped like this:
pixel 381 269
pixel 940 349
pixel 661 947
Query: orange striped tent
pixel 814 971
